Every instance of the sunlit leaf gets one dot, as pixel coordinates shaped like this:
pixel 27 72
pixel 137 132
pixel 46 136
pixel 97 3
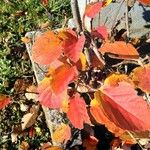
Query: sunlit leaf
pixel 115 78
pixel 61 77
pixel 72 45
pixel 62 133
pixel 4 100
pixel 46 97
pixel 120 50
pixel 141 78
pixel 145 2
pixel 77 112
pixel 46 48
pixel 82 63
pixel 99 115
pixel 93 9
pixel 106 2
pixel 124 107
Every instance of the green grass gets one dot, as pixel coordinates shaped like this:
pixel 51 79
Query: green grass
pixel 18 17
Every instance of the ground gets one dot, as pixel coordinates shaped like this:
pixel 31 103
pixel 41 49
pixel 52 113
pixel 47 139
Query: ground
pixel 16 19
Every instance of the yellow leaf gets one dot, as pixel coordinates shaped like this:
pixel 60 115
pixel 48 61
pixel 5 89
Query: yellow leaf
pixel 115 78
pixel 107 2
pixel 62 133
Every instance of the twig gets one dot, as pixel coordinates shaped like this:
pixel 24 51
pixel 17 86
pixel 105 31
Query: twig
pixel 97 53
pixel 76 15
pixel 127 19
pixel 126 62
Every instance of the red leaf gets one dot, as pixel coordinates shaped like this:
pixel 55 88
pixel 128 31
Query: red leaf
pixel 120 50
pixel 46 97
pixel 61 77
pixel 4 100
pixel 72 45
pixel 46 48
pixel 145 2
pixel 141 78
pixel 123 107
pixel 100 32
pixel 77 112
pixel 93 9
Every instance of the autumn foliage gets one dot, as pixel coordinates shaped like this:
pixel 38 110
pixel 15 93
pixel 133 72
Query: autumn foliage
pixel 114 101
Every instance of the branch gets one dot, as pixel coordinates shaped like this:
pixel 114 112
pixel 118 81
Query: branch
pixel 127 20
pixel 76 15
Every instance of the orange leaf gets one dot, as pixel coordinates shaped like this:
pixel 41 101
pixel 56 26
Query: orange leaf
pixel 100 32
pixel 4 100
pixel 47 146
pixel 141 77
pixel 77 112
pixel 46 97
pixel 120 50
pixel 98 113
pixel 93 9
pixel 145 2
pixel 46 48
pixel 72 45
pixel 121 105
pixel 61 77
pixel 62 133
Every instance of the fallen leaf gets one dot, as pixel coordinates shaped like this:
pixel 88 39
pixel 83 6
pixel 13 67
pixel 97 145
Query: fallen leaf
pixel 24 146
pixel 29 119
pixel 4 100
pixel 141 77
pixel 62 134
pixel 77 113
pixel 48 146
pixel 120 50
pixel 92 9
pixel 121 105
pixel 21 85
